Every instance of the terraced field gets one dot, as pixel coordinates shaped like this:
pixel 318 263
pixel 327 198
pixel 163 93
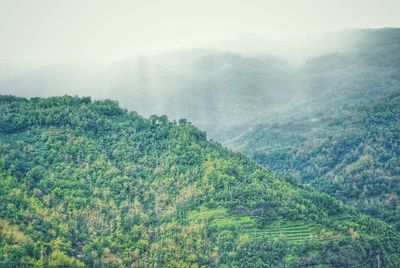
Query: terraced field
pixel 294 232
pixel 291 231
pixel 298 231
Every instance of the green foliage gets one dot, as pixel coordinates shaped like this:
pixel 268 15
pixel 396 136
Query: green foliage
pixel 85 183
pixel 353 154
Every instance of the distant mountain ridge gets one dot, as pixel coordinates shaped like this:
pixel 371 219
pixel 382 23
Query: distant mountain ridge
pixel 220 90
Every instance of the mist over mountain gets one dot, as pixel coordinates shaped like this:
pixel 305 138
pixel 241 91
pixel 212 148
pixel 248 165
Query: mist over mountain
pixel 219 89
pixel 197 134
pixel 343 138
pixel 310 173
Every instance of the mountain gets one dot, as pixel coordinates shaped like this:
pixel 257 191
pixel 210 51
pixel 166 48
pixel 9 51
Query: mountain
pixel 86 183
pixel 211 88
pixel 352 153
pixel 343 139
pixel 222 90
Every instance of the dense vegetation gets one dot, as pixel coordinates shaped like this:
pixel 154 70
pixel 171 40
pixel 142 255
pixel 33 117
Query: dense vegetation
pixel 85 183
pixel 352 153
pixel 343 137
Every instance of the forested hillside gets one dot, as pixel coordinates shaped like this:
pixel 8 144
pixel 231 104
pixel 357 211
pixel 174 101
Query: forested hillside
pixel 352 153
pixel 85 183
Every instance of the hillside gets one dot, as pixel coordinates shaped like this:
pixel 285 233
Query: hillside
pixel 352 153
pixel 85 183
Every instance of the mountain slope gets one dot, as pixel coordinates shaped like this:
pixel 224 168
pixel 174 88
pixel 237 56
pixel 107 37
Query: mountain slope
pixel 353 153
pixel 87 184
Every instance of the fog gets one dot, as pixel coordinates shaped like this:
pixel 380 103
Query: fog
pixel 48 30
pixel 218 63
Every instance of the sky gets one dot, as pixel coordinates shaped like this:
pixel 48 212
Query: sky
pixel 114 29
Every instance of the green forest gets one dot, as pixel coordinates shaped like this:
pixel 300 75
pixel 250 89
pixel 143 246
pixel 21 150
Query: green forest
pixel 88 184
pixel 352 153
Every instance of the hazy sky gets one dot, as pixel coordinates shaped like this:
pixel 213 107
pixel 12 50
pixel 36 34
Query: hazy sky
pixel 112 29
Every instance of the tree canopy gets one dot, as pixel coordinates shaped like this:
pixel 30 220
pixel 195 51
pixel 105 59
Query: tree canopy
pixel 86 183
